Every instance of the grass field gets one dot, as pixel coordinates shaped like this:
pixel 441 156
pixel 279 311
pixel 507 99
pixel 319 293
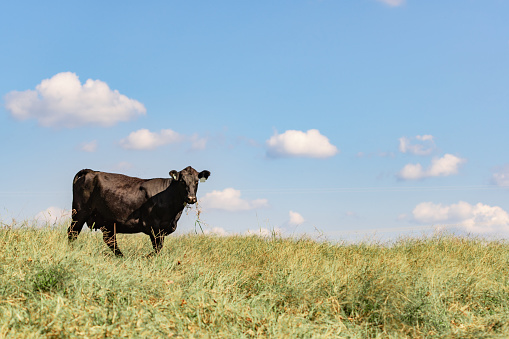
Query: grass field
pixel 242 287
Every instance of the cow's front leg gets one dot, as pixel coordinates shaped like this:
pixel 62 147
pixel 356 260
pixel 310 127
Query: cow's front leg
pixel 110 238
pixel 157 241
pixel 77 221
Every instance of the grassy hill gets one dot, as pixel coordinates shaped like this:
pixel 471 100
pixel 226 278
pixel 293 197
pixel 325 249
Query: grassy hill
pixel 241 287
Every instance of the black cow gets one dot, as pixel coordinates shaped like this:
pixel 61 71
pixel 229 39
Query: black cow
pixel 116 203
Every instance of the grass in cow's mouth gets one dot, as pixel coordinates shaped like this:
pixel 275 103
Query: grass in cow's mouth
pixel 240 286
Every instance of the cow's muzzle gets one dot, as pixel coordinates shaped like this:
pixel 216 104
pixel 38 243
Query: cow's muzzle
pixel 191 200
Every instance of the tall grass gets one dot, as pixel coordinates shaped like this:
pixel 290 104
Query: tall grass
pixel 242 287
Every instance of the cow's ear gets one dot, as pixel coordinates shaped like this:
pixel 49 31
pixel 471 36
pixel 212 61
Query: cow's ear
pixel 174 174
pixel 203 176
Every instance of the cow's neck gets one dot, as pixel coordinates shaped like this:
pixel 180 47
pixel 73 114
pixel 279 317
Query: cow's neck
pixel 174 199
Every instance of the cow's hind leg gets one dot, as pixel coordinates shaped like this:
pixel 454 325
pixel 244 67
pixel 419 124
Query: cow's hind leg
pixel 77 221
pixel 110 238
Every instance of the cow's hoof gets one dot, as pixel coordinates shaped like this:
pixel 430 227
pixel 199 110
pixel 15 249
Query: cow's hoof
pixel 151 254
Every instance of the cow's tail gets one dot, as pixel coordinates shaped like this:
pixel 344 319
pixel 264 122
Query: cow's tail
pixel 80 174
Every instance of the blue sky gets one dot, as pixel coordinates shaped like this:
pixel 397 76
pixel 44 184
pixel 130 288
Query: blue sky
pixel 346 117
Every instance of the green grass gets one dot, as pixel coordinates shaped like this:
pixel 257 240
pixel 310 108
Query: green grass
pixel 242 287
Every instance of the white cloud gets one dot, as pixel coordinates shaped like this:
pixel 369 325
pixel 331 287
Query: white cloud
pixel 501 178
pixel 393 3
pixel 265 232
pixel 300 144
pixel 412 172
pixel 229 200
pixel 351 214
pixel 295 218
pixel 52 216
pixel 89 146
pixel 219 231
pixel 440 167
pixel 424 145
pixel 197 143
pixel 479 218
pixel 424 137
pixel 63 101
pixel 143 139
pixel 444 166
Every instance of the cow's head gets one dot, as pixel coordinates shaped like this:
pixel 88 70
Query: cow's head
pixel 187 181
